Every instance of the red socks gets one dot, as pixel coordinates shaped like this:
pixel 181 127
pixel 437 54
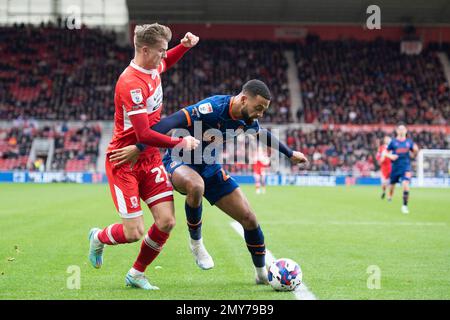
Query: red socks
pixel 150 248
pixel 112 235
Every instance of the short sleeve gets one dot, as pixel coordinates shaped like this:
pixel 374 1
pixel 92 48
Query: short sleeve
pixel 203 111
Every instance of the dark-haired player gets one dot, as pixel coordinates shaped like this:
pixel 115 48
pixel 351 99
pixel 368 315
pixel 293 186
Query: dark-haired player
pixel 400 149
pixel 229 116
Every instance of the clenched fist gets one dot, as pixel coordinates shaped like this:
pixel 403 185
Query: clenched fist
pixel 189 40
pixel 298 158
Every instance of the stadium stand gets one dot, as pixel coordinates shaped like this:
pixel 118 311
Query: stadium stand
pixel 76 148
pixel 360 82
pixel 219 67
pixel 58 74
pixel 49 73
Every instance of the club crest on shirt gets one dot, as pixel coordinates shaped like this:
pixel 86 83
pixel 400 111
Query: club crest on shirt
pixel 134 202
pixel 136 96
pixel 205 108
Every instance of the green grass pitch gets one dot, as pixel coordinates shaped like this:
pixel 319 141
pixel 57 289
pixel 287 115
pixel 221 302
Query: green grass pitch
pixel 335 234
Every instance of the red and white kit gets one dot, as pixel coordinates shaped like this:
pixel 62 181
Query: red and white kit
pixel 261 164
pixel 385 163
pixel 138 102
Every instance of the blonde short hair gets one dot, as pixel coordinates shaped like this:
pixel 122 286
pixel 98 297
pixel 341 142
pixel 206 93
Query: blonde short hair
pixel 150 34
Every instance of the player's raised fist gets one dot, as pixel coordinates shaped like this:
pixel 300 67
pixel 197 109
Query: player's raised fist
pixel 299 158
pixel 189 143
pixel 189 40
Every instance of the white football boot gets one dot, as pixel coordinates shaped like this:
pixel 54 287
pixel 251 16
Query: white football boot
pixel 201 255
pixel 261 275
pixel 405 209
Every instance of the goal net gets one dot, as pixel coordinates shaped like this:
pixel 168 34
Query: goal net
pixel 433 168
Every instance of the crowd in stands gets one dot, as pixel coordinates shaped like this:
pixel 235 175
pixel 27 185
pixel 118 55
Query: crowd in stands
pixel 343 152
pixel 59 74
pixel 52 73
pixel 221 67
pixel 361 82
pixel 351 151
pixel 75 148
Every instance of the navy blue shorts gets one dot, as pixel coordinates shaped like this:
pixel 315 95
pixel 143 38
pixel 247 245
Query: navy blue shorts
pixel 217 182
pixel 400 176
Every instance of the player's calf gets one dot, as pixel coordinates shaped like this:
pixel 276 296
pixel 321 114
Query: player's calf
pixel 134 234
pixel 150 248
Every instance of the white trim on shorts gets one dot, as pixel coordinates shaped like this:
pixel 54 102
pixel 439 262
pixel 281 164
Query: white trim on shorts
pixel 158 196
pixel 121 203
pixel 131 215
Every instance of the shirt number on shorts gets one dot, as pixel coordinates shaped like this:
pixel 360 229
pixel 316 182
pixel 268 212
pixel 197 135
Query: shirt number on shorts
pixel 159 176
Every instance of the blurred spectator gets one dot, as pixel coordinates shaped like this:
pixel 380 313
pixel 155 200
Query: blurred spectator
pixel 363 82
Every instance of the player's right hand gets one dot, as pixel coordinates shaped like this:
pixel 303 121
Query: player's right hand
pixel 189 143
pixel 299 158
pixel 125 154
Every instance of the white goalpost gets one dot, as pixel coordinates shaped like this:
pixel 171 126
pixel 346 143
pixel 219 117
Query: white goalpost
pixel 433 168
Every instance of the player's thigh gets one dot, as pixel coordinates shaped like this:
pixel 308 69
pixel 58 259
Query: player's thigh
pixel 236 205
pixel 185 179
pixel 394 178
pixel 406 179
pixel 124 187
pixel 154 184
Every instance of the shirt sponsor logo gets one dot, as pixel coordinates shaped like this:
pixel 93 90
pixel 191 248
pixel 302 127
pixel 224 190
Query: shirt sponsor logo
pixel 136 96
pixel 205 108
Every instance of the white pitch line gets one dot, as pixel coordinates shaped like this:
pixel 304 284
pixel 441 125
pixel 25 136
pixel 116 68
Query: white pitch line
pixel 363 223
pixel 302 292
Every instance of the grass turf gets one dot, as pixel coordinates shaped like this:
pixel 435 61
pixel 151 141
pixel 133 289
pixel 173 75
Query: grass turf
pixel 335 234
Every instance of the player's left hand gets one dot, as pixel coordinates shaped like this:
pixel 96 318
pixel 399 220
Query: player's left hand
pixel 299 158
pixel 125 154
pixel 189 40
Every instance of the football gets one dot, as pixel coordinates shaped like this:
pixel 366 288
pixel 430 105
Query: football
pixel 284 275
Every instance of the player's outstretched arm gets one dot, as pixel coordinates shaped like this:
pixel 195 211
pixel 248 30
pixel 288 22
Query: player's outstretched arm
pixel 131 153
pixel 175 120
pixel 150 137
pixel 271 141
pixel 175 54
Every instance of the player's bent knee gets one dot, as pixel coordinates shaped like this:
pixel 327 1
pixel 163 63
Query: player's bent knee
pixel 195 188
pixel 166 224
pixel 249 221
